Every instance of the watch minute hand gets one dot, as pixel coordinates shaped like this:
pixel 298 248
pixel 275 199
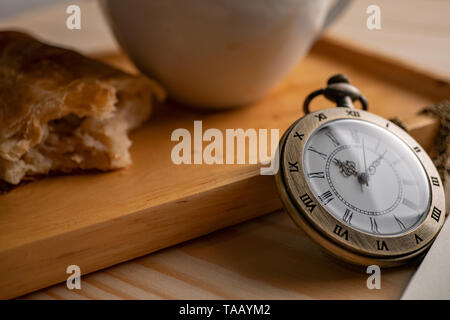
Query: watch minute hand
pixel 375 163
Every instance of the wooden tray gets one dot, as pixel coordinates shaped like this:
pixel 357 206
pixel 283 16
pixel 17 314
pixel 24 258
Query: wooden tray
pixel 97 220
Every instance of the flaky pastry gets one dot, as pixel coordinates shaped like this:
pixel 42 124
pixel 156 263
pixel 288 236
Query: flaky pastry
pixel 61 111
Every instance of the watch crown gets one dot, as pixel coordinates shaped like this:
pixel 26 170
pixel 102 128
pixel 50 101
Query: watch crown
pixel 338 78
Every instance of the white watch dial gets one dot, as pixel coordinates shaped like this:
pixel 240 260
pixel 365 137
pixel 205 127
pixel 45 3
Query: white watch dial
pixel 366 177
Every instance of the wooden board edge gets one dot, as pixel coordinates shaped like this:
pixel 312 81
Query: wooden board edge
pixel 44 263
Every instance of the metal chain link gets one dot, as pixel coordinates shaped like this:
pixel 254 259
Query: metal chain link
pixel 441 146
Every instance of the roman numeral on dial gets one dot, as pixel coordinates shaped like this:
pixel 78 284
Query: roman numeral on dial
pixel 400 223
pixel 322 155
pixel 341 232
pixel 435 181
pixel 348 215
pixel 334 140
pixel 381 245
pixel 293 166
pixel 308 202
pixel 326 197
pixel 409 204
pixel 373 225
pixel 353 113
pixel 355 135
pixel 320 175
pixel 436 214
pixel 378 144
pixel 408 182
pixel 299 135
pixel 320 116
pixel 418 239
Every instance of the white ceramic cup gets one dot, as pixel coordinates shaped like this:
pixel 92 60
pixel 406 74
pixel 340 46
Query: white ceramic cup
pixel 218 53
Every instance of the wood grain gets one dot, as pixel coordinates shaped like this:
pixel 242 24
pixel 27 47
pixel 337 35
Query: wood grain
pixel 265 258
pixel 97 220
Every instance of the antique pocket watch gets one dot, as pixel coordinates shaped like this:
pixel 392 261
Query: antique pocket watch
pixel 358 184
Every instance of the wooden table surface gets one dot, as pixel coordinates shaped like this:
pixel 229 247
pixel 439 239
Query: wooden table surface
pixel 268 257
pixel 265 258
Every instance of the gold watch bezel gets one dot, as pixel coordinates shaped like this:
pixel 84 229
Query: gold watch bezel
pixel 359 247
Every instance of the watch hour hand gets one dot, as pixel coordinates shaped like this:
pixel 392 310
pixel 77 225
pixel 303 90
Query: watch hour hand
pixel 347 167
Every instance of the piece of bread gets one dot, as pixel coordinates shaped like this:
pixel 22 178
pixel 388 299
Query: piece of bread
pixel 61 111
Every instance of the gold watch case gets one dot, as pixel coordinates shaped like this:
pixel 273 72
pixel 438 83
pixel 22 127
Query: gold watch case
pixel 358 247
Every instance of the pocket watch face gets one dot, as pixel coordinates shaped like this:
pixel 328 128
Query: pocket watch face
pixel 360 186
pixel 366 176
